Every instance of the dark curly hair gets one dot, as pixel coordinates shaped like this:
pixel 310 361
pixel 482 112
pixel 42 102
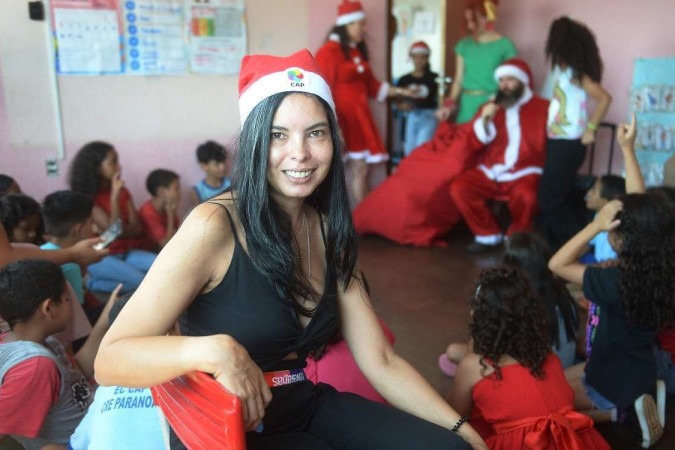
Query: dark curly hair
pixel 341 32
pixel 85 170
pixel 17 207
pixel 572 44
pixel 531 253
pixel 646 241
pixel 508 320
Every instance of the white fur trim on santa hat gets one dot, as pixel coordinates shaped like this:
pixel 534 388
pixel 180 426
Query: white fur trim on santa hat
pixel 276 82
pixel 349 18
pixel 508 70
pixel 420 50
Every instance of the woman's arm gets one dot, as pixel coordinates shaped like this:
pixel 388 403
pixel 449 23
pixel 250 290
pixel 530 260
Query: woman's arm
pixel 391 375
pixel 135 352
pixel 565 263
pixel 602 99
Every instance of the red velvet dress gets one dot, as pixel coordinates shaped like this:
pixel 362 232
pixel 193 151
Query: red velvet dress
pixel 352 84
pixel 527 413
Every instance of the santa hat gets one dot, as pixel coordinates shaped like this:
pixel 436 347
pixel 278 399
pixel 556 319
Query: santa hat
pixel 262 76
pixel 517 68
pixel 349 12
pixel 419 48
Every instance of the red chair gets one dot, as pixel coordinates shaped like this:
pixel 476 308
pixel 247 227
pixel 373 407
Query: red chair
pixel 203 413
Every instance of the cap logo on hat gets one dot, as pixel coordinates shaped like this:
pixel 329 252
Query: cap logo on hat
pixel 296 77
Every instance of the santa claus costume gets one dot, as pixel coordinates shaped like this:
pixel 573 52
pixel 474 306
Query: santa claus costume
pixel 512 150
pixel 352 83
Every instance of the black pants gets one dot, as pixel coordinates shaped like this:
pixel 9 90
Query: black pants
pixel 339 420
pixel 559 222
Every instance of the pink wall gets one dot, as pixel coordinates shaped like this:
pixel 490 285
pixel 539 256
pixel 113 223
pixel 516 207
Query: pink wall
pixel 625 30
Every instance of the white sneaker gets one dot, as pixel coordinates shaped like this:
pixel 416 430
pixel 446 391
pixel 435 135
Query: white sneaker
pixel 648 418
pixel 661 401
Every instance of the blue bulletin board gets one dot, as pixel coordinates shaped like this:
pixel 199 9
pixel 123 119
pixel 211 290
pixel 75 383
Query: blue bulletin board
pixel 653 101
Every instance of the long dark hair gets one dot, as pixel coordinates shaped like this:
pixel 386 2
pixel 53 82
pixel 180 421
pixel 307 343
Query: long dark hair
pixel 572 44
pixel 341 32
pixel 85 170
pixel 508 320
pixel 530 253
pixel 646 241
pixel 269 237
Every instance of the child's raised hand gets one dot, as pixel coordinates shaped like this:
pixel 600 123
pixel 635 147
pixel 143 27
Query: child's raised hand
pixel 116 184
pixel 606 219
pixel 626 133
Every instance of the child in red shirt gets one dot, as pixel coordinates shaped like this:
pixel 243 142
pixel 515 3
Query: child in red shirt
pixel 160 214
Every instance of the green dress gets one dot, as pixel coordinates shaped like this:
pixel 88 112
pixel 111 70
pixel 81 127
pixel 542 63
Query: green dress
pixel 480 62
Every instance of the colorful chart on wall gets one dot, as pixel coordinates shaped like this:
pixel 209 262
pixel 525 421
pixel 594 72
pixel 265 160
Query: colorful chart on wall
pixel 154 38
pixel 86 36
pixel 148 37
pixel 653 101
pixel 217 35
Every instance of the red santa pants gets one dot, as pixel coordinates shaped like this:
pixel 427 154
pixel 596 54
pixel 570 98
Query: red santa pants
pixel 472 189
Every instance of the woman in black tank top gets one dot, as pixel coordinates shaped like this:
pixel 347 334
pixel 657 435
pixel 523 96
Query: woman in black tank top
pixel 265 274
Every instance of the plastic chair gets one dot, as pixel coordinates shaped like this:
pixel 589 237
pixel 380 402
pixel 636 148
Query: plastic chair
pixel 203 414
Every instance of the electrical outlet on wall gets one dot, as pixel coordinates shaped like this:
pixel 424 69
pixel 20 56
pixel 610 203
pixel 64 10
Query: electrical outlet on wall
pixel 52 167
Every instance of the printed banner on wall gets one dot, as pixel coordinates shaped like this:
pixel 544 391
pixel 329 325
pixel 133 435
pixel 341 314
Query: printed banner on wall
pixel 653 101
pixel 154 38
pixel 217 35
pixel 87 36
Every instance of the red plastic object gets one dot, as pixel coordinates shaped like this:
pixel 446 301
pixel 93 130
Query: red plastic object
pixel 203 413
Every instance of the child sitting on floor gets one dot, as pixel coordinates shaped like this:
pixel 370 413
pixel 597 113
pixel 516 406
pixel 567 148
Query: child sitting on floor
pixel 160 213
pixel 636 298
pixel 68 219
pixel 212 159
pixel 530 253
pixel 512 378
pixel 44 394
pixel 21 217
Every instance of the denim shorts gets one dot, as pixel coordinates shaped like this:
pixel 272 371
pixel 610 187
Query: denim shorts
pixel 599 401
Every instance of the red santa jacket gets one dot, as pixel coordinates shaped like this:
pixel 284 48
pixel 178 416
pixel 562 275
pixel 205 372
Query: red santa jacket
pixel 352 84
pixel 514 144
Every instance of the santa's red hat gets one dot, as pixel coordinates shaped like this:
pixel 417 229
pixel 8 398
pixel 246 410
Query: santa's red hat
pixel 349 12
pixel 517 68
pixel 420 48
pixel 261 76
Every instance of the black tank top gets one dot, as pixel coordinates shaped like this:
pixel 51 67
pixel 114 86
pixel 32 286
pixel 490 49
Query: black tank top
pixel 246 306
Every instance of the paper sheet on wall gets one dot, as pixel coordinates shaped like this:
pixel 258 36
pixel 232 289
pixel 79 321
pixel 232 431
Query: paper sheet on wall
pixel 154 38
pixel 653 101
pixel 217 35
pixel 86 36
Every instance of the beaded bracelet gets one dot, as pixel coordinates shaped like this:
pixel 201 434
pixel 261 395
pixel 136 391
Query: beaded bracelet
pixel 459 424
pixel 592 126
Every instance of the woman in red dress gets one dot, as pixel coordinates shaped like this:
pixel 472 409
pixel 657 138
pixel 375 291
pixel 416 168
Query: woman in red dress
pixel 343 59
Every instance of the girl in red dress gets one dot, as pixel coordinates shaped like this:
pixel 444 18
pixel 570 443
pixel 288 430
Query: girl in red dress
pixel 343 59
pixel 513 380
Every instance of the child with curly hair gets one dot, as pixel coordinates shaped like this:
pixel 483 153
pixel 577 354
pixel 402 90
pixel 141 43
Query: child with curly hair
pixel 636 297
pixel 577 71
pixel 97 173
pixel 512 378
pixel 530 253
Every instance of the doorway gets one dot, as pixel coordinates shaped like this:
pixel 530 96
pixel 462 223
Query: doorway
pixel 436 22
